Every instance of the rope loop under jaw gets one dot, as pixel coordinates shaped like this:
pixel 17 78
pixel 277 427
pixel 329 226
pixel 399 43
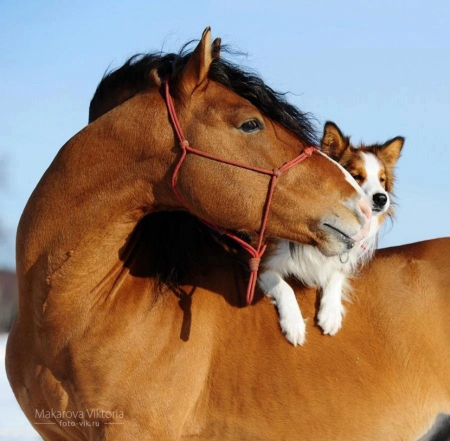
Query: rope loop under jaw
pixel 184 144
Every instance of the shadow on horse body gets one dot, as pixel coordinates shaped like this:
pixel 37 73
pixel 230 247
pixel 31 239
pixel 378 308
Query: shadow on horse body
pixel 133 325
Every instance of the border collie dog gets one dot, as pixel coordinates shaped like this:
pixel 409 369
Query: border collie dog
pixel 372 167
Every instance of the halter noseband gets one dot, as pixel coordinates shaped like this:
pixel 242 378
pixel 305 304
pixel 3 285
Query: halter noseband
pixel 257 252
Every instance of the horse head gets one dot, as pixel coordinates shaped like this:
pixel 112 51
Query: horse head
pixel 315 202
pixel 230 114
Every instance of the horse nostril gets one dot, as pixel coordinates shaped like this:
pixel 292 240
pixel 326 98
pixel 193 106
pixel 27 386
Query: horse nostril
pixel 380 199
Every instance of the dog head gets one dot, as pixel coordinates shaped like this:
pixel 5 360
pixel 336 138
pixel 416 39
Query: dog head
pixel 372 166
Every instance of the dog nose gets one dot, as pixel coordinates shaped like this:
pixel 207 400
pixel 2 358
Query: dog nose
pixel 380 199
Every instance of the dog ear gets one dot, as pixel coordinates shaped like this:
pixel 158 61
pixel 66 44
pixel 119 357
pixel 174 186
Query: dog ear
pixel 390 151
pixel 333 142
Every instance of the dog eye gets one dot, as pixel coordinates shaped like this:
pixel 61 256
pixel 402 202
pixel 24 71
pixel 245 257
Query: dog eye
pixel 382 180
pixel 252 125
pixel 357 177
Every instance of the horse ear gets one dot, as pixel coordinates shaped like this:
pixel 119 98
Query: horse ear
pixel 197 67
pixel 216 48
pixel 333 143
pixel 155 78
pixel 390 151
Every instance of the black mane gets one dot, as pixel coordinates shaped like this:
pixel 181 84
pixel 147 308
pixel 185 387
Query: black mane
pixel 132 78
pixel 177 237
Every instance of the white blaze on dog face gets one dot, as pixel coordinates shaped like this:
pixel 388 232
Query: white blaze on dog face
pixel 374 182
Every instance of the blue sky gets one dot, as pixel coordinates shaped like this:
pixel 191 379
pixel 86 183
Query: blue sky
pixel 378 69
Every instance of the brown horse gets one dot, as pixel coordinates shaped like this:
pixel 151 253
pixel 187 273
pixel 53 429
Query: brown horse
pixel 132 326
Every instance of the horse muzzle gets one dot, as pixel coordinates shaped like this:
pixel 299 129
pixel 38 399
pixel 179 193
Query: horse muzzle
pixel 341 236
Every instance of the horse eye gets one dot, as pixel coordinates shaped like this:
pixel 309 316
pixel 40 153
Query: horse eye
pixel 251 126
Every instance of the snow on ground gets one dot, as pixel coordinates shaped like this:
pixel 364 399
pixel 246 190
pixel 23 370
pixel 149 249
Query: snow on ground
pixel 13 424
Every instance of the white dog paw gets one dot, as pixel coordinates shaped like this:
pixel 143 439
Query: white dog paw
pixel 329 318
pixel 294 330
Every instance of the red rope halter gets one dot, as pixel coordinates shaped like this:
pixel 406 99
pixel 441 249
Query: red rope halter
pixel 257 252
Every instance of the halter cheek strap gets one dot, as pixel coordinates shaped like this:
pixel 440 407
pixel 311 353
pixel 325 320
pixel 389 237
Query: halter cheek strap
pixel 256 253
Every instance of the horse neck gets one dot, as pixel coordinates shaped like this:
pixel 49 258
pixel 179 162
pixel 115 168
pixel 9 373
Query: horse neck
pixel 101 183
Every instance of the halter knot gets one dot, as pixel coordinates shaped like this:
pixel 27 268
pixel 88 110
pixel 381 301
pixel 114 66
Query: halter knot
pixel 309 151
pixel 276 172
pixel 253 264
pixel 184 144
